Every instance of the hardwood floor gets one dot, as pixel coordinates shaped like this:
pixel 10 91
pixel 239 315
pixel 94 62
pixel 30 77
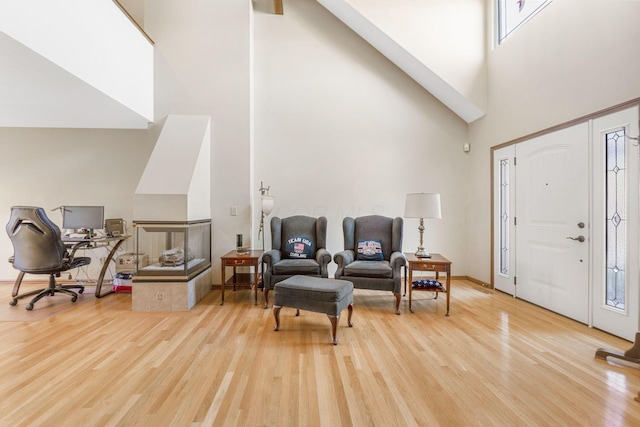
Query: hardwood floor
pixel 495 361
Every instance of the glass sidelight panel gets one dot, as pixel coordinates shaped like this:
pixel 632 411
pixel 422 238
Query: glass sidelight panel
pixel 504 216
pixel 616 219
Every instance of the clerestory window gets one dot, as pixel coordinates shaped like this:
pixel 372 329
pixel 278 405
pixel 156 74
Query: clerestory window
pixel 513 13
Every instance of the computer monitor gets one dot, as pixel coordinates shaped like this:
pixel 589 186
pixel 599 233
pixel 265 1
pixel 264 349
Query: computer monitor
pixel 82 217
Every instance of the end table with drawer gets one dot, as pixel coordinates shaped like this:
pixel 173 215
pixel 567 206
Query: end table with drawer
pixel 438 264
pixel 235 259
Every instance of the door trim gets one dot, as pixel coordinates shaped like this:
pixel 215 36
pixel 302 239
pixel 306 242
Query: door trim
pixel 586 118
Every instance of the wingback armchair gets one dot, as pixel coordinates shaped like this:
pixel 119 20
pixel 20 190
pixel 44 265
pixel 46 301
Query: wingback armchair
pixel 372 257
pixel 38 249
pixel 298 247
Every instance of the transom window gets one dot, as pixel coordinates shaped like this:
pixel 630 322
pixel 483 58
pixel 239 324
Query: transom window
pixel 513 13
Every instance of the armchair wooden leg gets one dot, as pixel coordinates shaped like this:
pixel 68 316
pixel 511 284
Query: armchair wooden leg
pixel 276 314
pixel 398 297
pixel 266 298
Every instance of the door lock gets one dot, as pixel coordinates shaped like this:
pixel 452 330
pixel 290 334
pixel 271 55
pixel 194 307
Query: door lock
pixel 581 225
pixel 579 238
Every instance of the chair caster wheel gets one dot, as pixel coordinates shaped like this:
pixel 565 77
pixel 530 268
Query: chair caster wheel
pixel 74 298
pixel 13 302
pixel 29 307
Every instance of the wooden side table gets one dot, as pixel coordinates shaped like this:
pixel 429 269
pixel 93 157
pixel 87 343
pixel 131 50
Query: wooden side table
pixel 234 259
pixel 438 264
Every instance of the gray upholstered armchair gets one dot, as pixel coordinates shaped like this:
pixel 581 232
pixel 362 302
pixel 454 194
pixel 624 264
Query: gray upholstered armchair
pixel 372 256
pixel 298 246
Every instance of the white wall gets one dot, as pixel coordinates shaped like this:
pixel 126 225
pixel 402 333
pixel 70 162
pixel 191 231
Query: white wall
pixel 53 167
pixel 574 58
pixel 319 90
pixel 203 67
pixel 340 131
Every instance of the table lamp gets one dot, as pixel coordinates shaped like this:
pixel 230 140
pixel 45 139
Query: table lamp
pixel 422 205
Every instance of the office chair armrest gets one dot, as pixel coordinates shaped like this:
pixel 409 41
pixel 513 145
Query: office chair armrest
pixel 71 249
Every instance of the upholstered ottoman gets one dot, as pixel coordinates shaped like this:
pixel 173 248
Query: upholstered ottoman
pixel 327 296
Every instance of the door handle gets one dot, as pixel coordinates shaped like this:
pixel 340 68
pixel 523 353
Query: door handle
pixel 579 238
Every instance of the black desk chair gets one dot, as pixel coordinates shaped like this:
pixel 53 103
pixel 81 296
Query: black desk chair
pixel 38 249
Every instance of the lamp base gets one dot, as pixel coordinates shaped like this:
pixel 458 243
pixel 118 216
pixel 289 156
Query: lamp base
pixel 421 253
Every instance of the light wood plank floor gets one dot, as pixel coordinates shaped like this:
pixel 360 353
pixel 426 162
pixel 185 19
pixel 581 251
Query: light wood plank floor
pixel 495 361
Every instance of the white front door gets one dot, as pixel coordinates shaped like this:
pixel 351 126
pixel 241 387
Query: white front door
pixel 615 223
pixel 552 221
pixel 504 248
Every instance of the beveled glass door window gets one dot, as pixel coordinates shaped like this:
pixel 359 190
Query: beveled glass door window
pixel 616 219
pixel 504 216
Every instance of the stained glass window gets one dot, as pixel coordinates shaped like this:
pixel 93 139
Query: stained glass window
pixel 513 13
pixel 616 219
pixel 504 216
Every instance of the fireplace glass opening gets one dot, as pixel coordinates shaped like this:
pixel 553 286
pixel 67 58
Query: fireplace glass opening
pixel 172 251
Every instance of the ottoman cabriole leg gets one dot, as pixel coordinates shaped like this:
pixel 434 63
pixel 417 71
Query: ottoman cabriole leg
pixel 350 308
pixel 334 327
pixel 276 314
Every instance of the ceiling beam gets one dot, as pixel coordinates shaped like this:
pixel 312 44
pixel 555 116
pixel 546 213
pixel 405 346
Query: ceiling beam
pixel 277 7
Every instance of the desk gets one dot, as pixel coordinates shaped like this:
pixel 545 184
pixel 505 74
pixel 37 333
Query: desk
pixel 438 264
pixel 94 243
pixel 234 259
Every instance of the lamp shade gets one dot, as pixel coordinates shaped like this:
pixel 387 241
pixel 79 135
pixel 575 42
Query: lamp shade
pixel 422 205
pixel 267 204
